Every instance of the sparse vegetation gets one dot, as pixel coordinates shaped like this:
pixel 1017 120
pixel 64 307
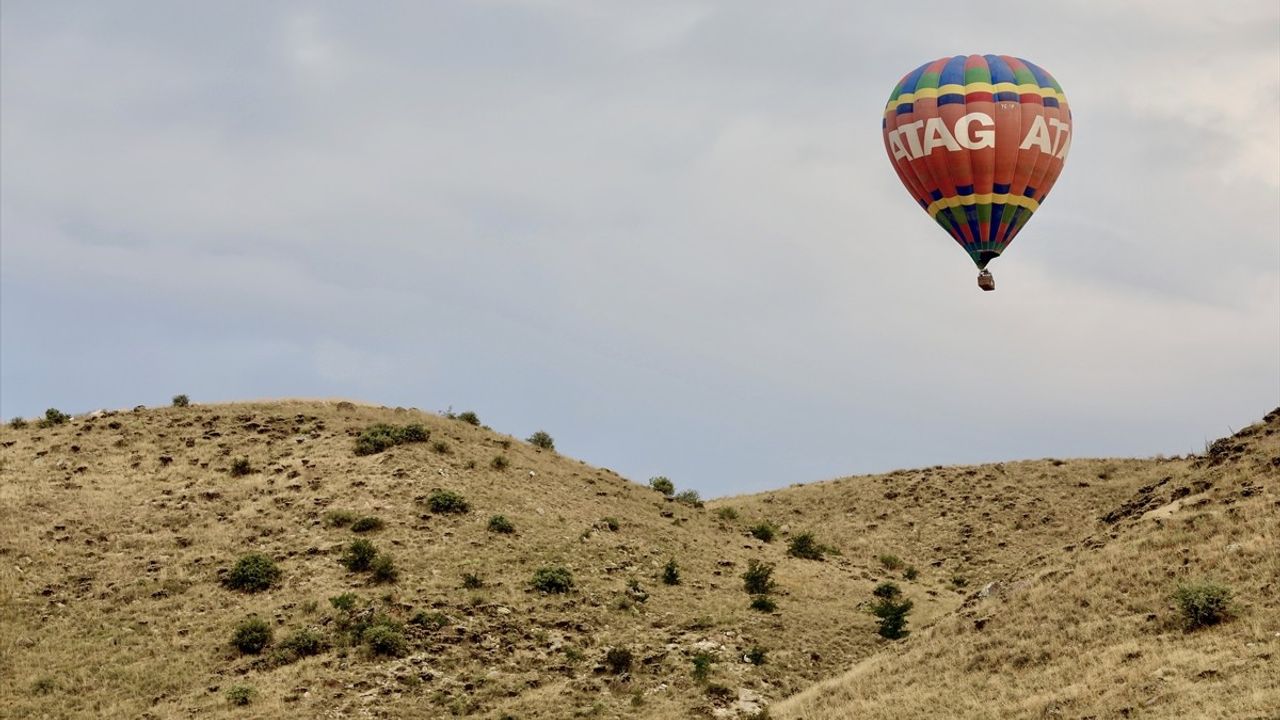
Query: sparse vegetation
pixel 500 524
pixel 671 573
pixel 181 401
pixel 763 531
pixel 472 581
pixel 252 573
pixel 727 513
pixel 433 620
pixel 469 417
pixel 802 545
pixel 553 579
pixel 18 423
pixel 541 439
pixel 910 573
pixel 689 497
pixel 702 662
pixel 891 562
pixel 758 579
pixel 756 655
pixel 609 523
pixel 441 447
pixel 448 502
pixel 367 523
pixel 240 467
pixel 346 602
pixel 383 569
pixel 52 417
pixel 240 695
pixel 763 603
pixel 663 485
pixel 385 638
pixel 381 436
pixel 1203 603
pixel 618 660
pixel 339 518
pixel 359 556
pixel 499 462
pixel 303 643
pixel 251 636
pixel 892 610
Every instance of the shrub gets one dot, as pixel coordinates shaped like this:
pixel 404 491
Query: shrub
pixel 18 423
pixel 339 518
pixel 689 497
pixel 359 556
pixel 756 655
pixel 384 569
pixel 959 581
pixel 240 467
pixel 802 545
pixel 411 433
pixel 542 440
pixel 727 513
pixel 435 620
pixel 890 562
pixel 53 416
pixel 758 579
pixel 254 572
pixel 385 639
pixel 345 602
pixel 251 636
pixel 181 401
pixel 1203 604
pixel 367 523
pixel 662 485
pixel 381 436
pixel 892 610
pixel 303 643
pixel 472 581
pixel 500 524
pixel 447 501
pixel 719 693
pixel 469 418
pixel 763 603
pixel 763 531
pixel 499 462
pixel 702 666
pixel 609 523
pixel 441 447
pixel 240 694
pixel 910 573
pixel 671 573
pixel 618 660
pixel 553 579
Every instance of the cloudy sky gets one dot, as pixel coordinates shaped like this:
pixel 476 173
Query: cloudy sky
pixel 667 233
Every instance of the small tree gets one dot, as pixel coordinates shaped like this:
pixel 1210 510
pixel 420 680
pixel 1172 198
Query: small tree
pixel 54 416
pixel 671 573
pixel 892 610
pixel 758 579
pixel 662 485
pixel 541 439
pixel 469 417
pixel 702 666
pixel 618 660
pixel 359 556
pixel 181 401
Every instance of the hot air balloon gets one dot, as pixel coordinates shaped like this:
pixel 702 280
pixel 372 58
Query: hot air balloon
pixel 978 140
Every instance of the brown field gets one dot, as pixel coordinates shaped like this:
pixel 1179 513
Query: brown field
pixel 1042 589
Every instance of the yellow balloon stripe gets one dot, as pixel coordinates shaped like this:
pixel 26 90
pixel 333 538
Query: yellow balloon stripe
pixel 985 199
pixel 1028 88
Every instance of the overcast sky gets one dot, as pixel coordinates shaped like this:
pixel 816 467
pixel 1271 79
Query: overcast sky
pixel 667 233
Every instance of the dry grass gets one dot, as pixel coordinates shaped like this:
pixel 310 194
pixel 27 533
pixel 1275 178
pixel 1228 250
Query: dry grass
pixel 118 527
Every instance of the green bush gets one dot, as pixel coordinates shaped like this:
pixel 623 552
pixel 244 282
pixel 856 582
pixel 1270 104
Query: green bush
pixel 689 497
pixel 891 562
pixel 727 513
pixel 441 447
pixel 499 462
pixel 240 694
pixel 181 401
pixel 385 639
pixel 433 620
pixel 381 436
pixel 367 524
pixel 802 545
pixel 663 485
pixel 702 662
pixel 618 660
pixel 303 643
pixel 53 416
pixel 500 524
pixel 758 579
pixel 18 423
pixel 359 556
pixel 910 573
pixel 339 518
pixel 542 440
pixel 671 573
pixel 472 581
pixel 1203 604
pixel 763 603
pixel 384 569
pixel 346 602
pixel 469 418
pixel 756 655
pixel 251 636
pixel 763 531
pixel 240 467
pixel 412 433
pixel 553 579
pixel 892 610
pixel 254 572
pixel 447 502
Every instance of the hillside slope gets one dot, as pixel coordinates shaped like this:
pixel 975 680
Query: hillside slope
pixel 1094 632
pixel 122 527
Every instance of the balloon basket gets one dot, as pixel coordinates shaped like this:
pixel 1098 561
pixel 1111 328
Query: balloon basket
pixel 986 280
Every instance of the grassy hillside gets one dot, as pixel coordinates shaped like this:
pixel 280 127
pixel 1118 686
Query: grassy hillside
pixel 123 528
pixel 1095 631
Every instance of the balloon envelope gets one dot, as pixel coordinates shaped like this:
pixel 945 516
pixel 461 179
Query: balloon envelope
pixel 978 141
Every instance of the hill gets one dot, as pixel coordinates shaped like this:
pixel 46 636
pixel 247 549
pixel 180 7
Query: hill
pixel 125 529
